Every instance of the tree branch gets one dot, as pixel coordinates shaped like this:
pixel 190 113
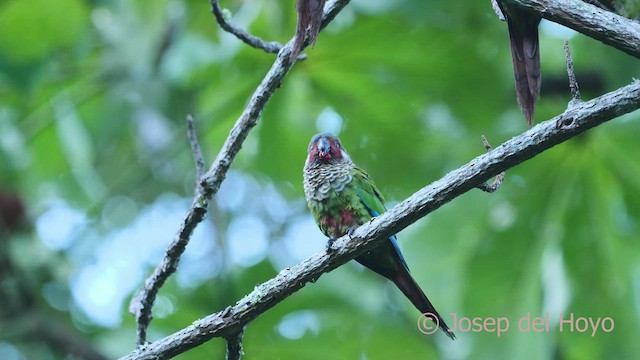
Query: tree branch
pixel 142 303
pixel 573 83
pixel 610 28
pixel 495 185
pixel 269 46
pixel 572 122
pixel 234 346
pixel 196 151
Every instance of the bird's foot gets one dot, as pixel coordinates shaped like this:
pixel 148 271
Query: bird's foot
pixel 332 240
pixel 330 247
pixel 351 230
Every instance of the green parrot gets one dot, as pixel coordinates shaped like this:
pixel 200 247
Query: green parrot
pixel 341 197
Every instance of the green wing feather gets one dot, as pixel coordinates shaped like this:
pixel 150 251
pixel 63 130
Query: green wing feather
pixel 368 192
pixel 373 200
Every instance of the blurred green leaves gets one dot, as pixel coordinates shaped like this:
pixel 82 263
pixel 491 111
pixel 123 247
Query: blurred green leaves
pixel 32 30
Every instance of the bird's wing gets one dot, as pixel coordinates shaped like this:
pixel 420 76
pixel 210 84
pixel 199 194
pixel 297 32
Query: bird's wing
pixel 373 201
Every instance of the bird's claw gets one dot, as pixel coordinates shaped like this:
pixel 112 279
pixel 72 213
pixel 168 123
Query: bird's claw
pixel 330 247
pixel 332 240
pixel 351 230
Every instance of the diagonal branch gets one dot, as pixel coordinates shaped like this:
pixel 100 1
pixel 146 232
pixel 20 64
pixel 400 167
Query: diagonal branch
pixel 610 28
pixel 545 135
pixel 196 151
pixel 142 303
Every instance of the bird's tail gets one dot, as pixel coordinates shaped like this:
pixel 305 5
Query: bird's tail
pixel 309 18
pixel 526 62
pixel 404 281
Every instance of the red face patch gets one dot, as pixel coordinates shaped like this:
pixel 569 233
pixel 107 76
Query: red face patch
pixel 325 147
pixel 335 149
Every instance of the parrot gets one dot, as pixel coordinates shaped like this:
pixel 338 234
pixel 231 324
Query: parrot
pixel 525 53
pixel 341 196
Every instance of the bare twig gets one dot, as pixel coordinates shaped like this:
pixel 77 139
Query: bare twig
pixel 610 28
pixel 234 346
pixel 573 83
pixel 142 303
pixel 495 185
pixel 271 47
pixel 520 148
pixel 195 149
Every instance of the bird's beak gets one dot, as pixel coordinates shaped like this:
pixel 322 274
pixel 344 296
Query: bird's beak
pixel 324 149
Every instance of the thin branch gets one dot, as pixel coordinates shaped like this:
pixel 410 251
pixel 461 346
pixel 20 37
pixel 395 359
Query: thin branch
pixel 234 346
pixel 520 148
pixel 495 185
pixel 195 150
pixel 573 83
pixel 142 303
pixel 272 47
pixel 610 28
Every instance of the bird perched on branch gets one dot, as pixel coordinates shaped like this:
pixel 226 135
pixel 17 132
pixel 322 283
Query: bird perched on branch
pixel 341 197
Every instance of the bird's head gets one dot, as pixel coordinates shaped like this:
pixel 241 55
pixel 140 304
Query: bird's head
pixel 326 148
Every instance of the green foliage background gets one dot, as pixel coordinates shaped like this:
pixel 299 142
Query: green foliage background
pixel 415 84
